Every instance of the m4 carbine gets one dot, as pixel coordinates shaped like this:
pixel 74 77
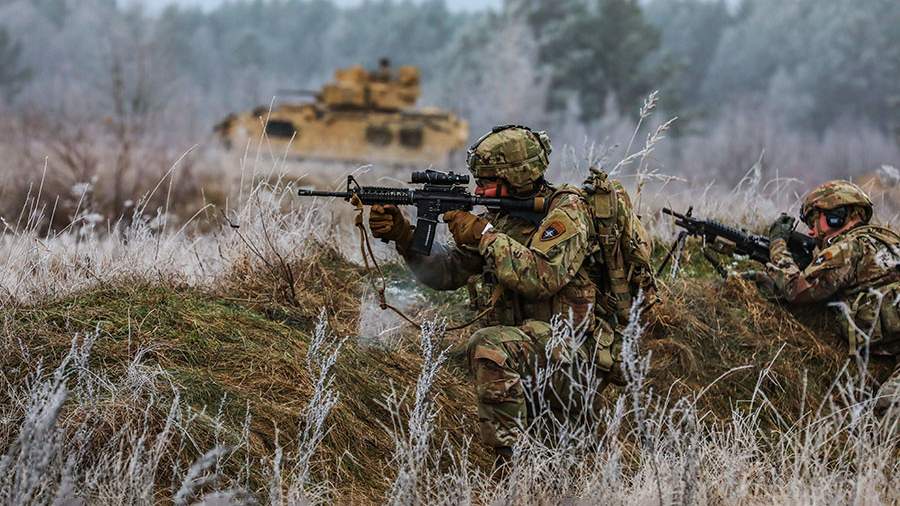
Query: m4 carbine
pixel 730 240
pixel 441 192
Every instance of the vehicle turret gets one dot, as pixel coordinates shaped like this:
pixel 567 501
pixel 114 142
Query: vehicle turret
pixel 360 116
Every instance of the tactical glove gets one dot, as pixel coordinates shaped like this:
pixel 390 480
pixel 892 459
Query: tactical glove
pixel 782 228
pixel 388 223
pixel 465 227
pixel 764 283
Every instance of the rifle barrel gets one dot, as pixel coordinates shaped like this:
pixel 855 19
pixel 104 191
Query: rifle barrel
pixel 316 193
pixel 670 212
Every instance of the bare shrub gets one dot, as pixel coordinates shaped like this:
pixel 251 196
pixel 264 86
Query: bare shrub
pixel 724 146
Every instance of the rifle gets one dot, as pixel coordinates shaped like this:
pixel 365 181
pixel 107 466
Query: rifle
pixel 441 192
pixel 731 241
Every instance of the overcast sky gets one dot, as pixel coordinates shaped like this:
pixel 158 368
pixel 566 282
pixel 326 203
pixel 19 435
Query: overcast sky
pixel 155 5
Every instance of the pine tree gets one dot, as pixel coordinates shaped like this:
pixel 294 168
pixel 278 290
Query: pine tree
pixel 840 56
pixel 595 50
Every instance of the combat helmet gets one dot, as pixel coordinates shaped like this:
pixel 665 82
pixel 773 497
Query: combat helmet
pixel 514 153
pixel 833 195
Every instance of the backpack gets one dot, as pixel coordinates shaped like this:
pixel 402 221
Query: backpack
pixel 874 310
pixel 619 263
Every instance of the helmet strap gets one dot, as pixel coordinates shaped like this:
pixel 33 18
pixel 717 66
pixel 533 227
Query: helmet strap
pixel 532 189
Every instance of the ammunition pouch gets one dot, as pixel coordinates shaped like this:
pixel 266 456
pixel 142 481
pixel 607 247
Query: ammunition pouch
pixel 875 315
pixel 620 261
pixel 604 338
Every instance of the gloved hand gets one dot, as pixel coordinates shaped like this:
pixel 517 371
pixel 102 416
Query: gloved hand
pixel 764 283
pixel 388 223
pixel 782 228
pixel 465 227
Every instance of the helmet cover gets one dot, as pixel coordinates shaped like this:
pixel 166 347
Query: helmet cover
pixel 516 154
pixel 836 194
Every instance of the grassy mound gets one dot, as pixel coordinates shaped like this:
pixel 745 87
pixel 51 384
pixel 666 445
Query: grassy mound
pixel 243 350
pixel 237 352
pixel 720 341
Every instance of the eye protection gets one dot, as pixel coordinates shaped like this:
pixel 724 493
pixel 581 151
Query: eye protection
pixel 810 217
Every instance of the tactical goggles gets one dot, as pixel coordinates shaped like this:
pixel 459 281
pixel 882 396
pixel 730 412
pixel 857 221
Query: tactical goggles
pixel 810 217
pixel 834 217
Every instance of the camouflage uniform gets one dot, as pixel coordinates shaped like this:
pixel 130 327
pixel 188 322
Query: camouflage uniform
pixel 538 271
pixel 858 269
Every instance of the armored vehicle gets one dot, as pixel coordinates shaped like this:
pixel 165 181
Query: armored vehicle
pixel 361 117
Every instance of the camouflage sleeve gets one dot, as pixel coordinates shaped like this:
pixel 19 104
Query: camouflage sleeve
pixel 446 268
pixel 830 270
pixel 557 251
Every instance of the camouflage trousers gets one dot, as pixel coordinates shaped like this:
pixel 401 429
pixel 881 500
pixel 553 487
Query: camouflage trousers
pixel 505 362
pixel 889 393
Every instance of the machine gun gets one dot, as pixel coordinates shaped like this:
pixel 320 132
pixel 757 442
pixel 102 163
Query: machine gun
pixel 441 192
pixel 733 241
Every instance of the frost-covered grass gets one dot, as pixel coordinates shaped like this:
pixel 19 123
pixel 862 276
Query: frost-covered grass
pixel 741 403
pixel 74 432
pixel 59 453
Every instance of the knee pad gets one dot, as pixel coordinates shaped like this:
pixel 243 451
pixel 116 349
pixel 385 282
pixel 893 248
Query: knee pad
pixel 494 344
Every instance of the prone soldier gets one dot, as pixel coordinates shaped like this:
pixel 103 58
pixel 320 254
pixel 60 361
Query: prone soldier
pixel 586 260
pixel 856 265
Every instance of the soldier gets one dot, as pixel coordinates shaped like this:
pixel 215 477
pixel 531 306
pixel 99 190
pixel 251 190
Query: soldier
pixel 856 265
pixel 533 271
pixel 384 73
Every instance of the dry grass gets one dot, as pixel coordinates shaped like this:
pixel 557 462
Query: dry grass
pixel 231 355
pixel 722 349
pixel 152 363
pixel 219 324
pixel 221 368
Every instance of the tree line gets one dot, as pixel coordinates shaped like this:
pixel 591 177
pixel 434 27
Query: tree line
pixel 814 61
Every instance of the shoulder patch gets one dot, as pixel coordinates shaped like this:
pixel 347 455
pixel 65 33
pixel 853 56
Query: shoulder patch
pixel 826 255
pixel 835 256
pixel 552 230
pixel 556 229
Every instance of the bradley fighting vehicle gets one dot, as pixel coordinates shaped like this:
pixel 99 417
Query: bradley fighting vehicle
pixel 361 117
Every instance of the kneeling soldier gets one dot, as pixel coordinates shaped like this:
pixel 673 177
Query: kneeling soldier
pixel 585 259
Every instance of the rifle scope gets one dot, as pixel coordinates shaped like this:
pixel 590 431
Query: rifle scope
pixel 438 178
